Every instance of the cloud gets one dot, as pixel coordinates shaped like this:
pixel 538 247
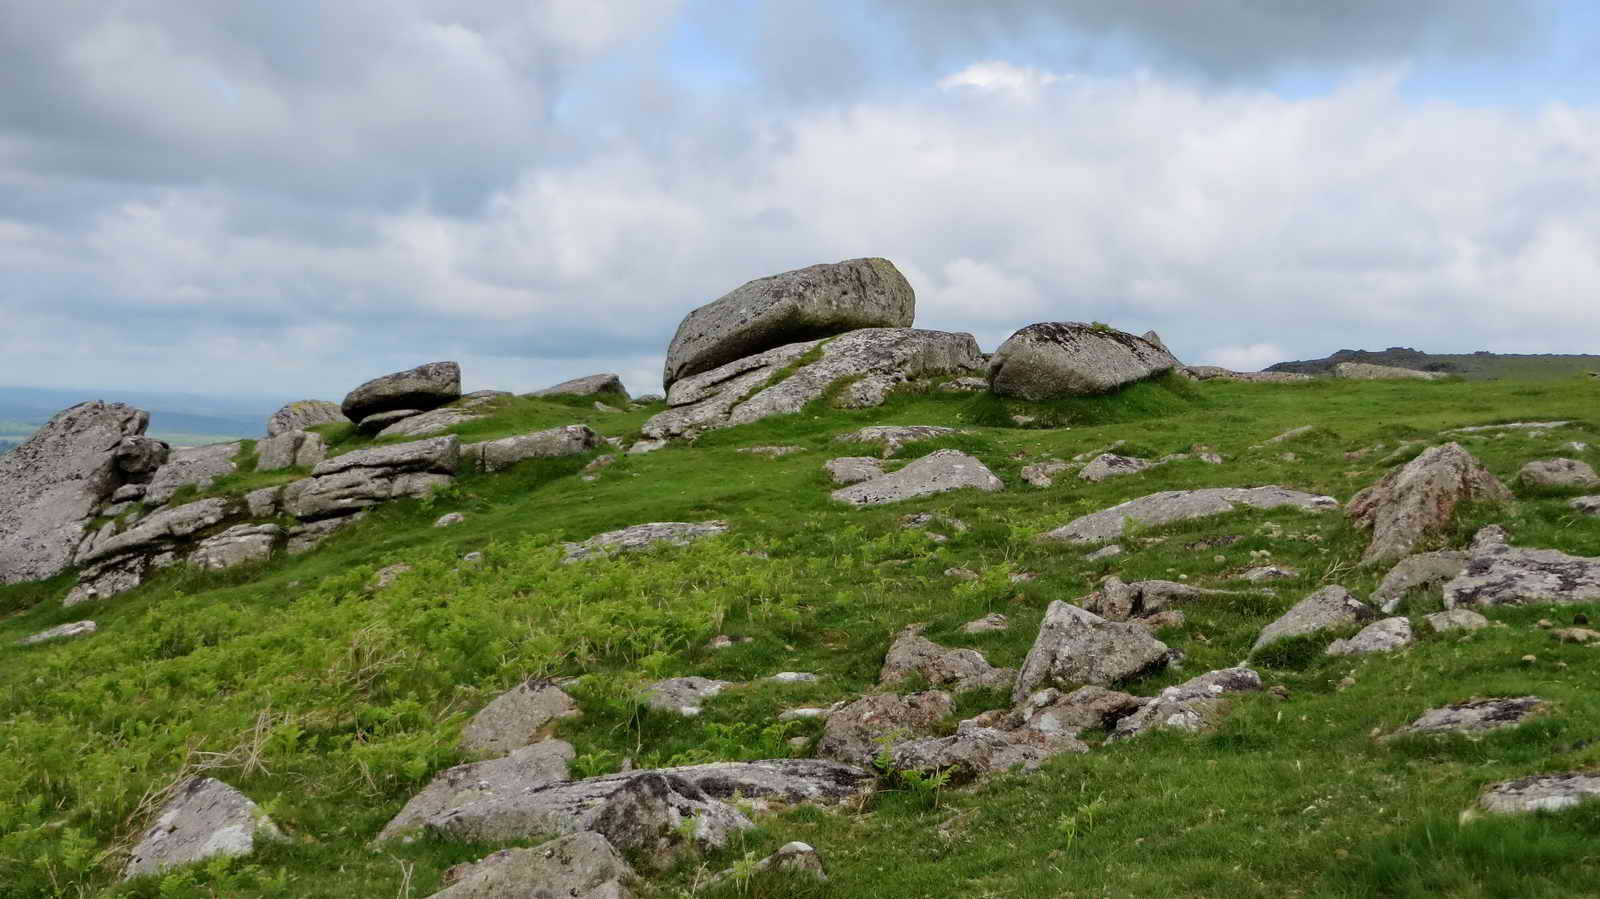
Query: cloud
pixel 1254 357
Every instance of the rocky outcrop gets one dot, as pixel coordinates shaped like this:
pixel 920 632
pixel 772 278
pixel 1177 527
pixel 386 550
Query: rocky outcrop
pixel 786 379
pixel 1424 570
pixel 303 415
pixel 52 484
pixel 498 455
pixel 938 472
pixel 290 449
pixel 855 733
pixel 913 655
pixel 974 751
pixel 1076 647
pixel 1498 574
pixel 198 467
pixel 1418 500
pixel 1193 705
pixel 1558 473
pixel 588 385
pixel 119 562
pixel 365 478
pixel 238 545
pixel 1330 608
pixel 1183 505
pixel 1386 635
pixel 519 717
pixel 817 301
pixel 892 437
pixel 1366 371
pixel 1541 793
pixel 205 818
pixel 60 632
pixel 1474 716
pixel 578 866
pixel 420 389
pixel 423 424
pixel 1119 601
pixel 642 536
pixel 525 768
pixel 1055 359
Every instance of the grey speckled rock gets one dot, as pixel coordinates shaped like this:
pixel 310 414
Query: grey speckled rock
pixel 1425 570
pixel 1498 574
pixel 974 752
pixel 1366 371
pixel 60 632
pixel 498 455
pixel 853 733
pixel 588 385
pixel 577 866
pixel 1054 359
pixel 1328 608
pixel 877 359
pixel 1419 500
pixel 345 484
pixel 1586 505
pixel 304 414
pixel 959 669
pixel 432 422
pixel 160 529
pixel 1558 473
pixel 641 536
pixel 1541 793
pixel 204 818
pixel 1183 505
pixel 934 473
pixel 988 624
pixel 519 717
pixel 290 448
pixel 1456 620
pixel 1387 635
pixel 238 545
pixel 54 481
pixel 527 767
pixel 1110 465
pixel 422 388
pixel 683 695
pixel 853 469
pixel 892 437
pixel 818 301
pixel 1213 372
pixel 1043 474
pixel 1076 647
pixel 793 857
pixel 1193 705
pixel 200 467
pixel 1473 716
pixel 306 537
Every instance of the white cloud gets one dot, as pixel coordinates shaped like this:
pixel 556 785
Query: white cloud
pixel 1254 357
pixel 999 76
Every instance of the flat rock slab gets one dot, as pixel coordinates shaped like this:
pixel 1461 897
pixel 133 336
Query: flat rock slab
pixel 431 422
pixel 354 481
pixel 854 732
pixel 238 545
pixel 993 622
pixel 643 536
pixel 1541 793
pixel 935 473
pixel 1119 601
pixel 60 632
pixel 1043 474
pixel 974 752
pixel 1558 473
pixel 1387 635
pixel 519 717
pixel 525 768
pixel 853 469
pixel 1422 571
pixel 1420 499
pixel 1111 465
pixel 771 452
pixel 588 385
pixel 1327 609
pixel 804 304
pixel 785 380
pixel 1456 620
pixel 1183 505
pixel 892 437
pixel 683 695
pixel 1366 371
pixel 199 467
pixel 1498 574
pixel 1215 372
pixel 1054 359
pixel 1051 712
pixel 422 388
pixel 1075 646
pixel 912 654
pixel 1194 705
pixel 205 818
pixel 1513 426
pixel 577 866
pixel 1473 716
pixel 552 443
pixel 304 414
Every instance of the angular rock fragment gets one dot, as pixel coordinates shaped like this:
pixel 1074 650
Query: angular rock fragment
pixel 974 752
pixel 1193 705
pixel 424 424
pixel 1456 620
pixel 1075 646
pixel 59 632
pixel 1541 793
pixel 1110 465
pixel 932 474
pixel 1425 570
pixel 1043 474
pixel 1054 359
pixel 892 437
pixel 589 385
pixel 1327 609
pixel 1473 716
pixel 1558 473
pixel 1118 601
pixel 1419 500
pixel 305 537
pixel 518 717
pixel 238 545
pixel 1586 505
pixel 990 623
pixel 642 536
pixel 854 733
pixel 577 866
pixel 364 478
pixel 853 469
pixel 204 818
pixel 1386 635
pixel 302 415
pixel 912 654
pixel 263 503
pixel 422 388
pixel 525 768
pixel 1499 574
pixel 1182 505
pixel 290 449
pixel 683 695
pixel 794 858
pixel 199 467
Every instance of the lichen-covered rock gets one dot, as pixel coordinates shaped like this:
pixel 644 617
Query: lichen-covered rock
pixel 912 654
pixel 1043 474
pixel 853 469
pixel 204 818
pixel 51 485
pixel 1499 574
pixel 892 437
pixel 812 302
pixel 576 866
pixel 60 632
pixel 1075 647
pixel 199 467
pixel 1558 473
pixel 1473 716
pixel 302 415
pixel 527 767
pixel 1541 793
pixel 357 480
pixel 238 545
pixel 1050 712
pixel 786 379
pixel 642 536
pixel 422 388
pixel 1214 372
pixel 1456 620
pixel 498 455
pixel 1418 500
pixel 1327 609
pixel 932 474
pixel 1193 705
pixel 519 717
pixel 1586 505
pixel 1182 505
pixel 424 424
pixel 683 695
pixel 1054 359
pixel 1424 570
pixel 289 449
pixel 1119 601
pixel 854 733
pixel 1386 635
pixel 988 624
pixel 308 536
pixel 794 858
pixel 588 385
pixel 974 752
pixel 1366 371
pixel 1110 465
pixel 164 528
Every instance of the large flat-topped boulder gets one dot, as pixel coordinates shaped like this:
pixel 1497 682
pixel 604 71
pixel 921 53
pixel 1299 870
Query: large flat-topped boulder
pixel 422 388
pixel 1418 500
pixel 935 473
pixel 205 818
pixel 198 466
pixel 54 482
pixel 588 385
pixel 304 414
pixel 817 301
pixel 786 379
pixel 1498 574
pixel 1055 359
pixel 1183 505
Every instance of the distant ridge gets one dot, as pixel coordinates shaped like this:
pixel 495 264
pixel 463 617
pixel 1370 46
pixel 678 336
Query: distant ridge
pixel 1479 366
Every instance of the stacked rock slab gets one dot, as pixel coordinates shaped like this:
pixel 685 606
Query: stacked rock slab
pixel 1419 500
pixel 53 483
pixel 302 415
pixel 801 305
pixel 119 562
pixel 416 390
pixel 784 380
pixel 195 467
pixel 364 478
pixel 1055 359
pixel 496 455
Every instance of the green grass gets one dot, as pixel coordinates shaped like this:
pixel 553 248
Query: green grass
pixel 331 704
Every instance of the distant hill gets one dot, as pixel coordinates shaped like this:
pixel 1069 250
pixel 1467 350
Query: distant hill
pixel 178 418
pixel 1481 366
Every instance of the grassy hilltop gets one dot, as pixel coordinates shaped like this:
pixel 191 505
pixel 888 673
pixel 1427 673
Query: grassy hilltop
pixel 331 703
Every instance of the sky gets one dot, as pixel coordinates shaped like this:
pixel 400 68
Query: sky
pixel 290 198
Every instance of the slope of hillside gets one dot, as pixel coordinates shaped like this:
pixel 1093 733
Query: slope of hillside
pixel 1478 366
pixel 331 701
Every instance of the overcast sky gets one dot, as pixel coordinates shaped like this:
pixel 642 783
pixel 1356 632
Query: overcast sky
pixel 292 197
